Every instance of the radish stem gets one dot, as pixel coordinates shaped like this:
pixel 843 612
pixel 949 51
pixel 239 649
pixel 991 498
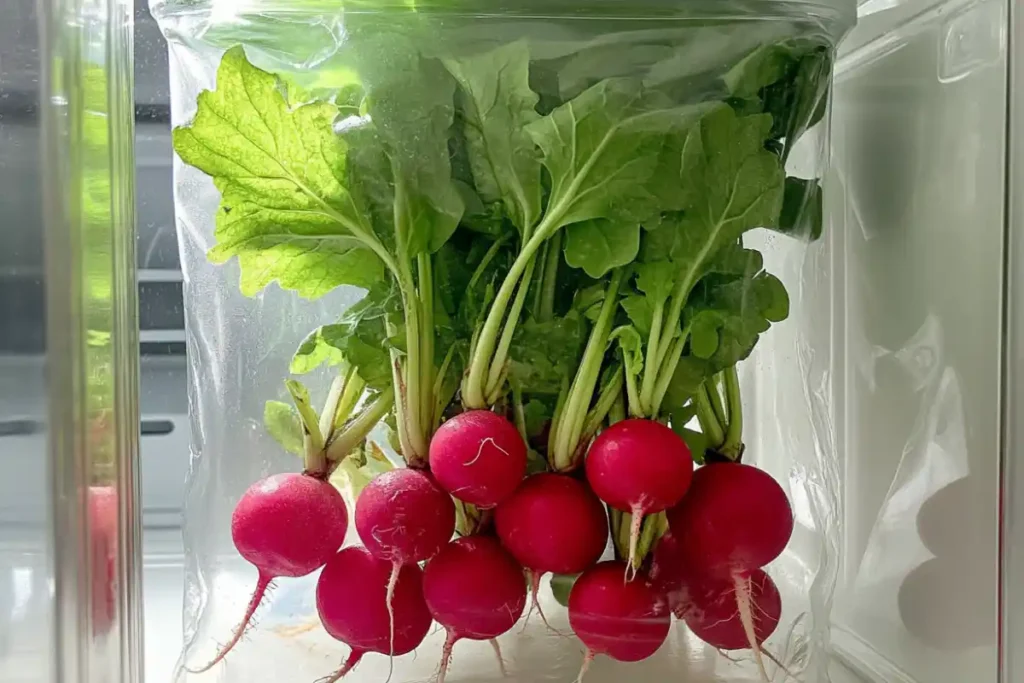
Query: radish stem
pixel 733 443
pixel 706 415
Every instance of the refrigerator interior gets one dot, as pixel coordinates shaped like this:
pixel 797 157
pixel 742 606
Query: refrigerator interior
pixel 916 204
pixel 911 316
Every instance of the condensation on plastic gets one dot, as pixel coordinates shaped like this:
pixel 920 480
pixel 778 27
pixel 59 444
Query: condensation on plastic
pixel 239 350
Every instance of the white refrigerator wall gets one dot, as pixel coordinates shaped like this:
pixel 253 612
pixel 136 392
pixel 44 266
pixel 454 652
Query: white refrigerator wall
pixel 916 215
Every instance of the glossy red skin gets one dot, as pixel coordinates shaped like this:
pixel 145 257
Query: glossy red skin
pixel 553 523
pixel 404 516
pixel 289 524
pixel 478 457
pixel 639 465
pixel 102 502
pixel 712 611
pixel 474 588
pixel 627 621
pixel 350 598
pixel 735 518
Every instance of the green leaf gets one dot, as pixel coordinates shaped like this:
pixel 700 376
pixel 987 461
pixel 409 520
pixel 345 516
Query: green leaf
pixel 312 353
pixel 726 316
pixel 732 317
pixel 363 349
pixel 599 245
pixel 656 279
pixel 286 212
pixel 704 328
pixel 537 413
pixel 586 67
pixel 360 468
pixel 283 424
pixel 561 586
pixel 764 66
pixel 588 300
pixel 486 219
pixel 697 442
pixel 640 311
pixel 732 185
pixel 798 102
pixel 632 348
pixel 802 210
pixel 410 100
pixel 543 354
pixel 497 103
pixel 359 338
pixel 602 148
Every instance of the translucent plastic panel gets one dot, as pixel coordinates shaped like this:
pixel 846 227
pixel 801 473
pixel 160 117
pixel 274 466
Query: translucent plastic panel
pixel 68 395
pixel 917 197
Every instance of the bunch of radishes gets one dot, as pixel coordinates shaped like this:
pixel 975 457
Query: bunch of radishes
pixel 727 521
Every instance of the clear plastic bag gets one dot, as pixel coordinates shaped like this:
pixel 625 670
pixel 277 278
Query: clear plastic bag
pixel 567 214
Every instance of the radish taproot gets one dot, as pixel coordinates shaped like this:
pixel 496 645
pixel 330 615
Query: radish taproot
pixel 351 598
pixel 625 620
pixel 478 457
pixel 552 523
pixel 403 517
pixel 287 525
pixel 641 467
pixel 715 612
pixel 475 590
pixel 734 519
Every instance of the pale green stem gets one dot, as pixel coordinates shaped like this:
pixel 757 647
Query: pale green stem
pixel 609 395
pixel 580 394
pixel 501 354
pixel 674 356
pixel 354 386
pixel 651 365
pixel 550 280
pixel 715 395
pixel 426 383
pixel 358 429
pixel 331 405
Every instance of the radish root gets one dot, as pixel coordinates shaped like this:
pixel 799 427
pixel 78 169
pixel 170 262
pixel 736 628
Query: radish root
pixel 446 655
pixel 747 619
pixel 396 567
pixel 501 660
pixel 262 584
pixel 535 604
pixel 349 664
pixel 636 523
pixel 588 659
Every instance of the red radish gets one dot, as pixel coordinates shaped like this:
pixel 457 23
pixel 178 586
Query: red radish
pixel 714 615
pixel 478 457
pixel 102 502
pixel 625 620
pixel 734 519
pixel 475 590
pixel 552 523
pixel 641 467
pixel 668 572
pixel 286 525
pixel 403 517
pixel 350 598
